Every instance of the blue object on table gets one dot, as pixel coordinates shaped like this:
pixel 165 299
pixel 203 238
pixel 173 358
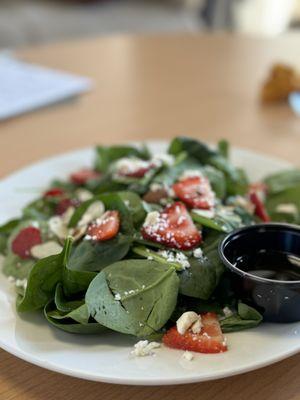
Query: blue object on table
pixel 294 102
pixel 25 87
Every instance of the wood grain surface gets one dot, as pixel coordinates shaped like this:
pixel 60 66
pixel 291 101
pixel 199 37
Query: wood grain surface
pixel 156 87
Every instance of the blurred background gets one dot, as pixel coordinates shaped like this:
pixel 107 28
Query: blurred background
pixel 28 22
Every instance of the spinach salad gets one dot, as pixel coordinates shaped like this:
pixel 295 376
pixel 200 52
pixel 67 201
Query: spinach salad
pixel 132 245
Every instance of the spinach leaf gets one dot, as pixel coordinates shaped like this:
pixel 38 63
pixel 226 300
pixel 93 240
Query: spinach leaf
pixel 135 206
pixel 62 304
pixel 94 256
pixel 42 280
pixel 224 220
pixel 5 231
pixel 69 322
pixel 223 147
pixel 106 155
pixel 16 267
pixel 287 196
pixel 134 297
pixel 245 318
pixel 283 180
pixel 76 282
pixel 236 179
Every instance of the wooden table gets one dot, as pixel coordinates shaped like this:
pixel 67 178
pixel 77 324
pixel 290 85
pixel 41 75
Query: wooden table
pixel 156 87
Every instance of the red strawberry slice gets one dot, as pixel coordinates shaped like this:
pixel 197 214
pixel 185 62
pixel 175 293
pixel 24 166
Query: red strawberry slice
pixel 209 340
pixel 25 240
pixel 54 192
pixel 195 192
pixel 64 204
pixel 84 175
pixel 257 195
pixel 173 228
pixel 106 227
pixel 134 168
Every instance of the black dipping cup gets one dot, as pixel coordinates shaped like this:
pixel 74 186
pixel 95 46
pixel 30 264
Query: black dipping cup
pixel 277 300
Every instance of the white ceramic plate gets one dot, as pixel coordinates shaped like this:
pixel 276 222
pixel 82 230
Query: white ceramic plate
pixel 107 358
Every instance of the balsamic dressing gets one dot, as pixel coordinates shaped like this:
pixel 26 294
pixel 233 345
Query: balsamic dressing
pixel 270 264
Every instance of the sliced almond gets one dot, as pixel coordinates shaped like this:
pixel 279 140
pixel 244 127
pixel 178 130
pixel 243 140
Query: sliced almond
pixel 58 227
pixel 94 211
pixel 45 249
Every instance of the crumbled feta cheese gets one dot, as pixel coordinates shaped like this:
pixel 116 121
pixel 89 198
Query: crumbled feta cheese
pixel 45 249
pixel 117 296
pixel 94 211
pixel 152 219
pixel 190 173
pixel 58 227
pixel 287 208
pixel 187 355
pixel 145 348
pixel 205 213
pixel 11 279
pixel 177 257
pixel 197 326
pixel 21 283
pixel 186 320
pixel 127 166
pixel 198 253
pixel 83 194
pixel 155 187
pixel 227 312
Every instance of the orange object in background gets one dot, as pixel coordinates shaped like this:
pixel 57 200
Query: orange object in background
pixel 282 81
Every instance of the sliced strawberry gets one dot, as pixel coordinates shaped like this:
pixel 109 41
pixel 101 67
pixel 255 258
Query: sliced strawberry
pixel 195 192
pixel 257 195
pixel 54 192
pixel 84 175
pixel 106 227
pixel 138 173
pixel 173 227
pixel 64 204
pixel 25 240
pixel 209 340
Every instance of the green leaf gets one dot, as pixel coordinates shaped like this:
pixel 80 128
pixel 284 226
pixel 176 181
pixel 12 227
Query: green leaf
pixel 94 256
pixel 42 280
pixel 224 220
pixel 283 180
pixel 68 322
pixel 246 318
pixel 135 206
pixel 147 291
pixel 62 304
pixel 106 155
pixel 16 267
pixel 236 180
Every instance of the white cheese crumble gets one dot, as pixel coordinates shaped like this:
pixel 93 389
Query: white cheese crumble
pixel 117 296
pixel 227 312
pixel 190 173
pixel 128 166
pixel 45 249
pixel 198 253
pixel 152 219
pixel 83 194
pixel 145 348
pixel 21 283
pixel 188 355
pixel 186 320
pixel 287 208
pixel 177 257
